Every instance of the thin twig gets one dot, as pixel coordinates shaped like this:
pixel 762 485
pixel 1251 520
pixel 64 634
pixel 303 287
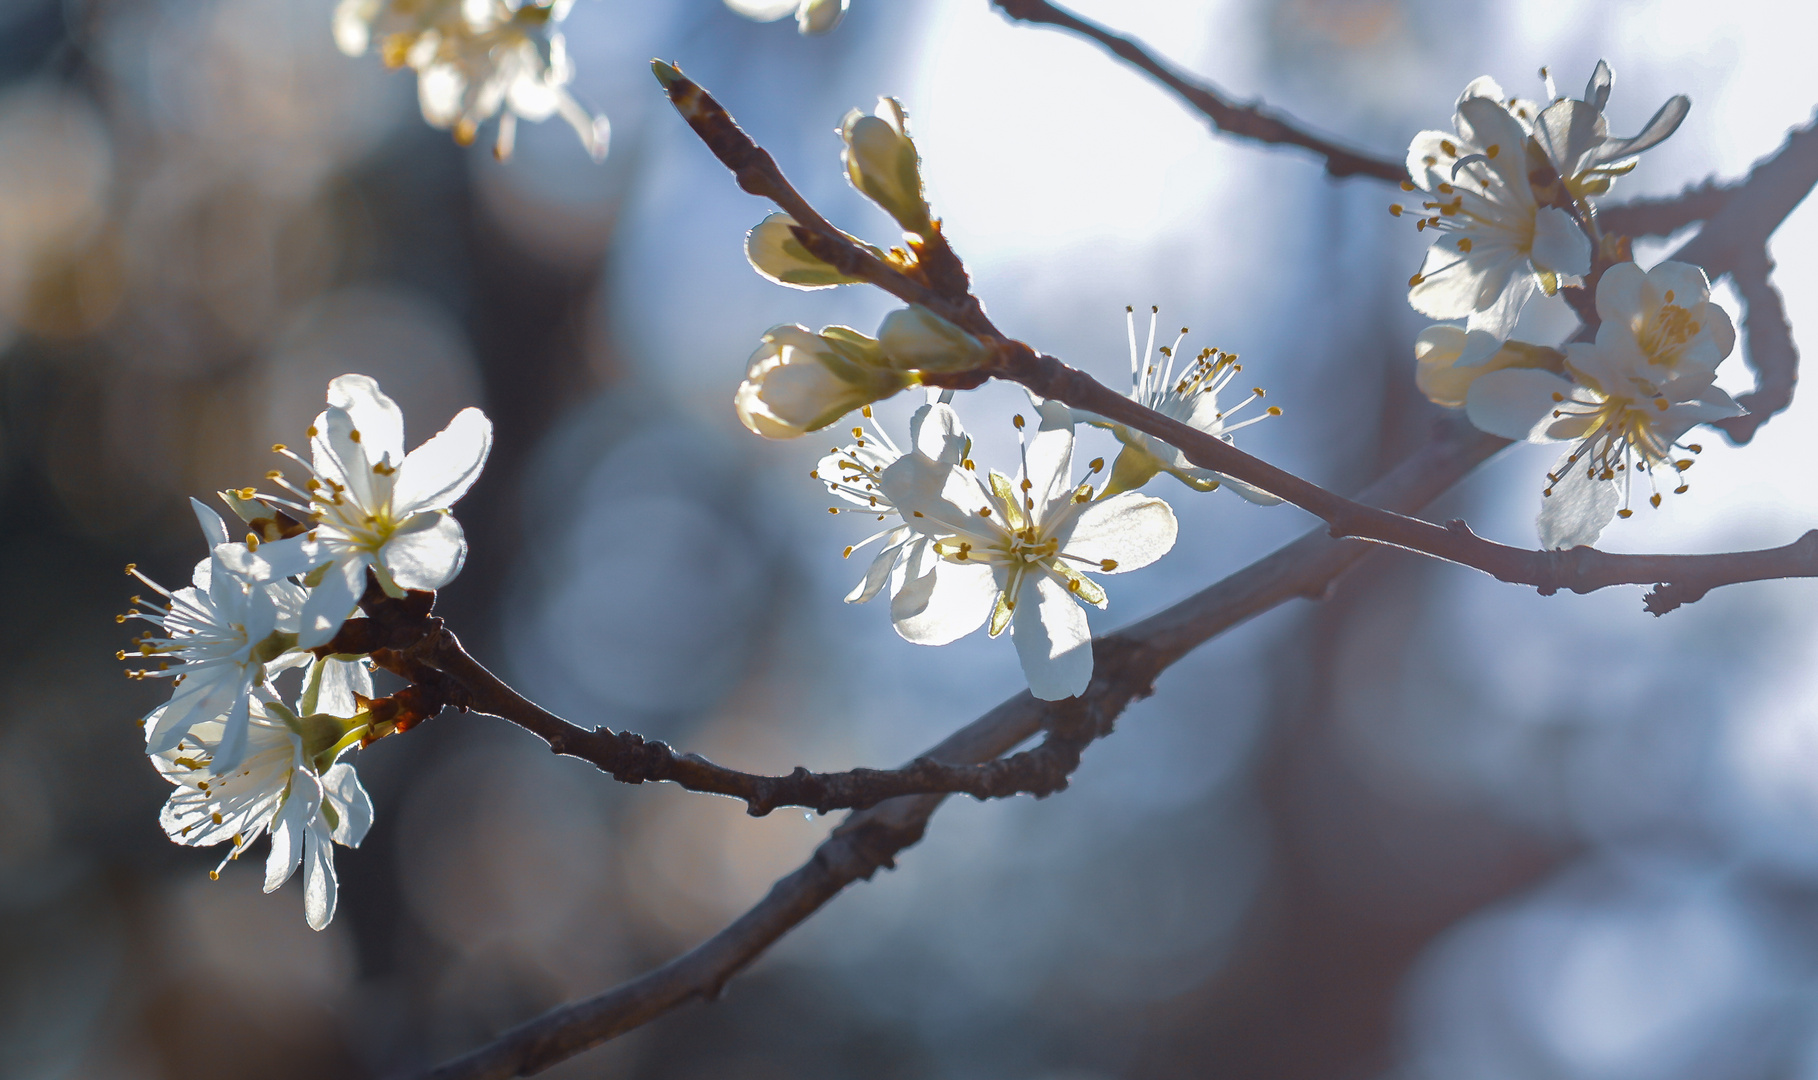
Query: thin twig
pixel 1767 345
pixel 1254 121
pixel 1126 665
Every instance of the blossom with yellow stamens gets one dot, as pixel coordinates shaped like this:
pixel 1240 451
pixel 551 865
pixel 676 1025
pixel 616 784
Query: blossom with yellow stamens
pixel 1016 552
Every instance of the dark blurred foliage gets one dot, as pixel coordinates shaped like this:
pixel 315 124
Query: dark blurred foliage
pixel 1429 827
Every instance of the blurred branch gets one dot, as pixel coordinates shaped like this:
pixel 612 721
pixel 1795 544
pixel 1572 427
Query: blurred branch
pixel 1768 347
pixel 1126 665
pixel 1754 210
pixel 1255 121
pixel 1663 217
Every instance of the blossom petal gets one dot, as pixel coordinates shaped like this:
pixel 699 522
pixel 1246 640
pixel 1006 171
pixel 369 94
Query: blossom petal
pixel 1579 507
pixel 288 827
pixel 212 526
pixel 231 750
pixel 376 417
pixel 1569 131
pixel 935 431
pixel 1048 459
pixel 935 601
pixel 879 571
pixel 319 889
pixel 207 694
pixel 1516 403
pixel 332 600
pixel 339 684
pixel 426 552
pixel 1053 639
pixel 1619 293
pixel 1687 282
pixel 341 787
pixel 435 475
pixel 1127 531
pixel 1559 244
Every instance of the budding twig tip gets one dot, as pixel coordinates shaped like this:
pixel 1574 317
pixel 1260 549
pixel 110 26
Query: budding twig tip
pixel 667 74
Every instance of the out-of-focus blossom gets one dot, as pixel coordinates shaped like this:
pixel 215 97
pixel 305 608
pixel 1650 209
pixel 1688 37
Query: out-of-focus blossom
pixel 475 59
pixel 798 381
pixel 370 505
pixel 774 252
pixel 1624 402
pixel 288 784
pixel 1012 551
pixel 811 16
pixel 1498 245
pixel 1191 398
pixel 226 632
pixel 882 163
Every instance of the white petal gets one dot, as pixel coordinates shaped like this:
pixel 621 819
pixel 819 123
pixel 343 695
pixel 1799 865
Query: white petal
pixel 426 552
pixel 341 786
pixel 318 878
pixel 1516 403
pixel 331 602
pixel 439 472
pixel 377 418
pixel 1579 507
pixel 1053 639
pixel 1559 244
pixel 1131 530
pixel 879 571
pixel 205 695
pixel 935 602
pixel 231 750
pixel 212 526
pixel 1049 459
pixel 289 826
pixel 935 431
pixel 338 683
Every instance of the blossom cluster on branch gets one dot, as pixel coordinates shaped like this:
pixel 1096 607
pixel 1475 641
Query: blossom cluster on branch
pixel 246 759
pixel 1512 196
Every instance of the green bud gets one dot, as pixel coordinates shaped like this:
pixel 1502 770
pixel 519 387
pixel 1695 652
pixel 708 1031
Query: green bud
pixel 883 165
pixel 775 253
pixel 799 381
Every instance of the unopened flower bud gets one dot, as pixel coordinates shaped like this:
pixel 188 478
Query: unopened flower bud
pixel 916 339
pixel 819 16
pixel 799 381
pixel 775 253
pixel 882 163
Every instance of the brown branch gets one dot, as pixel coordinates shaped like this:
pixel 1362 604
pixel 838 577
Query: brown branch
pixel 1254 121
pixel 1126 664
pixel 1772 189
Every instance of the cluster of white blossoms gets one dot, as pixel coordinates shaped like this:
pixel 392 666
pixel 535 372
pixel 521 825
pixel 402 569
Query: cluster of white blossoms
pixel 965 549
pixel 1513 203
pixel 811 16
pixel 476 59
pixel 245 764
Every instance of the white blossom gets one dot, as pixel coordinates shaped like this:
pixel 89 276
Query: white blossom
pixel 811 16
pixel 774 252
pixel 475 59
pixel 288 785
pixel 1574 137
pixel 1189 396
pixel 1623 402
pixel 370 505
pixel 916 339
pixel 218 638
pixel 1014 552
pixel 1497 244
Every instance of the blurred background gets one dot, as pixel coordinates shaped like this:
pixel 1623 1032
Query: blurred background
pixel 1433 827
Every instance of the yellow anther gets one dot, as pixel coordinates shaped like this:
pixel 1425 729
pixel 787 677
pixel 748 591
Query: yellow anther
pixel 917 513
pixel 1394 209
pixel 1444 189
pixel 1416 280
pixel 1668 298
pixel 278 448
pixel 273 475
pixel 1557 396
pixel 1492 150
pixel 1274 410
pixel 312 432
pixel 1464 244
pixel 1654 498
pixel 1450 148
pixel 214 875
pixel 1625 512
pixel 354 435
pixel 1107 565
pixel 984 511
pixel 130 567
pixel 215 816
pixel 1408 185
pixel 1018 421
pixel 1097 464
